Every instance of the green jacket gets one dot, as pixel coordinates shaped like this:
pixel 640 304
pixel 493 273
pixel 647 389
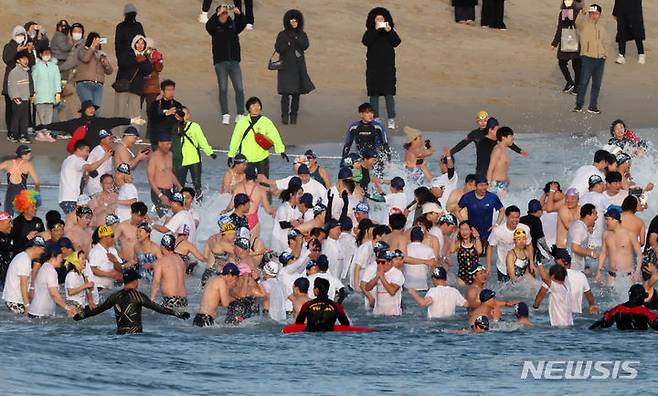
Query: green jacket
pixel 250 148
pixel 192 143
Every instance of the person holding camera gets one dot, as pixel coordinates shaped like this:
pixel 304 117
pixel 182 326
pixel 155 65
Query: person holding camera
pixel 61 43
pixel 151 89
pixel 162 114
pixel 225 32
pixel 92 68
pixel 292 79
pixel 37 35
pixel 381 39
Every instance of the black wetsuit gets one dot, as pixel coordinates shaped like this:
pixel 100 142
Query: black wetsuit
pixel 22 227
pixel 6 254
pixel 371 135
pixel 127 305
pixel 321 314
pixel 628 316
pixel 483 148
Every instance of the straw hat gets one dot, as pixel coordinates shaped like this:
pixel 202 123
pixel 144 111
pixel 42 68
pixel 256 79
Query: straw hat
pixel 412 133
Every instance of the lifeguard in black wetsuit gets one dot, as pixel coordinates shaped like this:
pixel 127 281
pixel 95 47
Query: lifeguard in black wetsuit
pixel 631 315
pixel 128 305
pixel 321 313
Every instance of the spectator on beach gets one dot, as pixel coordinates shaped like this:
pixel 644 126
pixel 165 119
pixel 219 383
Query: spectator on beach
pixel 465 11
pixel 293 79
pixel 18 43
pixel 61 43
pixel 152 81
pixel 630 27
pixel 593 43
pixel 47 89
pixel 133 67
pixel 248 11
pixel 19 90
pixel 225 32
pixel 381 39
pixel 92 68
pixel 68 70
pixel 36 35
pixel 162 114
pixel 127 30
pixel 493 14
pixel 566 23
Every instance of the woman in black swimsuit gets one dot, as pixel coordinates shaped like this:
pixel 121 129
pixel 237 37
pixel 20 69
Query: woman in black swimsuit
pixel 649 278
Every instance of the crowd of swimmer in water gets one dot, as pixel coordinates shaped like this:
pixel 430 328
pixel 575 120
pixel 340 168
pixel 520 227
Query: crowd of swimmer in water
pixel 324 245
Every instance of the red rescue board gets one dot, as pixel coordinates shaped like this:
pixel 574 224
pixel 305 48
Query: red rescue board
pixel 298 328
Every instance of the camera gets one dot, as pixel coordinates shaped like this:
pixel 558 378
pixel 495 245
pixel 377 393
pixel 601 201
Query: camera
pixel 103 40
pixel 180 112
pixel 428 144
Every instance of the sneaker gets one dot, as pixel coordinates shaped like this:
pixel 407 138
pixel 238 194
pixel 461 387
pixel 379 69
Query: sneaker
pixel 620 59
pixel 203 17
pixel 24 140
pixel 642 59
pixel 249 26
pixel 43 137
pixel 569 88
pixel 594 110
pixel 226 119
pixel 12 139
pixel 391 123
pixel 577 109
pixel 238 117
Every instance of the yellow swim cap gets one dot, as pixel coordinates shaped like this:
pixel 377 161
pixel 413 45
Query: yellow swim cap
pixel 105 231
pixel 519 233
pixel 483 115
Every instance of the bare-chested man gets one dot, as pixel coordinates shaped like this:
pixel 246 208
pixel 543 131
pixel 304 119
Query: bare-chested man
pixel 452 205
pixel 489 306
pixel 257 196
pixel 630 221
pixel 235 175
pixel 473 292
pixel 552 200
pixel 125 233
pixel 104 202
pixel 80 232
pixel 618 247
pixel 498 172
pixel 123 152
pixel 161 176
pixel 398 238
pixel 567 214
pixel 71 219
pixel 216 293
pixel 169 276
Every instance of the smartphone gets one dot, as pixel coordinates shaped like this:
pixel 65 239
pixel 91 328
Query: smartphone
pixel 382 25
pixel 428 144
pixel 103 40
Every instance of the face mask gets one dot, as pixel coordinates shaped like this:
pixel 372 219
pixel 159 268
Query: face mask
pixel 76 36
pixel 45 58
pixel 33 34
pixel 19 39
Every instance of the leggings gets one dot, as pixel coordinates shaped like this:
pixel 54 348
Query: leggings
pixel 638 43
pixel 289 104
pixel 564 68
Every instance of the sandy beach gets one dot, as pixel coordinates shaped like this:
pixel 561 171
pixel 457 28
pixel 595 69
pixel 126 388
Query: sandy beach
pixel 446 72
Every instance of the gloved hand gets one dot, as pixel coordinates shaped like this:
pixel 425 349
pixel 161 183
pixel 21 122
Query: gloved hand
pixel 182 315
pixel 139 121
pixel 213 156
pixel 229 162
pixel 285 157
pixel 78 317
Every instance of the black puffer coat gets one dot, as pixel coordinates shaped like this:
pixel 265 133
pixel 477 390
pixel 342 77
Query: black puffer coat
pixel 291 44
pixel 630 21
pixel 134 67
pixel 380 58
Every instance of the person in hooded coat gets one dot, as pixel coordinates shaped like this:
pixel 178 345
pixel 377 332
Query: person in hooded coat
pixel 566 19
pixel 465 11
pixel 292 79
pixel 126 30
pixel 133 66
pixel 380 60
pixel 17 44
pixel 493 13
pixel 630 27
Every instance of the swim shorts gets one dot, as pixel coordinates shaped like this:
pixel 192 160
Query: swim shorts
pixel 174 302
pixel 241 309
pixel 497 186
pixel 203 320
pixel 17 308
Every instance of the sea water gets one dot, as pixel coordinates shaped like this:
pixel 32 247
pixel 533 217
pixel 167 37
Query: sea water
pixel 409 355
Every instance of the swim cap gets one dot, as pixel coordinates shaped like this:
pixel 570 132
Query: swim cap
pixel 572 192
pixel 303 170
pixel 483 115
pixel 482 322
pixel 397 182
pixel 521 310
pixel 271 268
pixel 64 242
pixel 285 258
pixel 439 273
pixel 227 228
pixel 362 207
pixel 613 213
pixel 398 253
pixel 318 208
pixel 242 243
pixel 294 233
pixel 622 158
pixel 310 154
pixel 519 233
pixel 123 168
pixel 534 206
pixel 105 231
pixel 437 182
pixel 478 268
pixel 594 180
pixel 344 173
pixel 168 242
pixel 37 242
pixel 83 211
pixel 385 255
pixel 83 200
pixel 239 159
pixel 130 275
pixel 111 219
pixel 486 295
pixel 231 269
pixel 379 246
pixel 306 199
pixel 145 226
pixel 177 197
pixel 448 218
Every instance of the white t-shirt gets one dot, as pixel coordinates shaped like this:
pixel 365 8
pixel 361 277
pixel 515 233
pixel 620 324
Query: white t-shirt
pixel 74 281
pixel 94 184
pixel 415 275
pixel 289 274
pixel 579 235
pixel 285 212
pixel 334 284
pixel 578 285
pixel 347 243
pixel 309 215
pixel 70 176
pixel 549 224
pixel 21 265
pixel 450 186
pixel 444 301
pixel 277 298
pixel 436 231
pixel 331 249
pixel 337 206
pixel 559 305
pixel 43 304
pixel 503 239
pixel 364 257
pixel 313 187
pixel 385 304
pixel 616 199
pixel 181 218
pixel 581 178
pixel 396 200
pixel 601 203
pixel 127 191
pixel 98 258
